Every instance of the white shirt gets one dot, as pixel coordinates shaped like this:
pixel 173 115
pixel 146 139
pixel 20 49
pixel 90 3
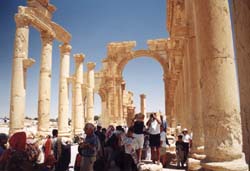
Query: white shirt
pixel 186 138
pixel 154 128
pixel 163 139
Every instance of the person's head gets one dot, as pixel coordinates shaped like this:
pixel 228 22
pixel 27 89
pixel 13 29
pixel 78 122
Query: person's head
pixel 54 132
pixel 179 137
pixel 3 139
pixel 119 127
pixel 104 130
pixel 98 128
pixel 151 116
pixel 185 131
pixel 18 141
pixel 130 131
pixel 162 128
pixel 89 129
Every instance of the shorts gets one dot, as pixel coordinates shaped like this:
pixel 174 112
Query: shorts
pixel 139 140
pixel 155 140
pixel 163 151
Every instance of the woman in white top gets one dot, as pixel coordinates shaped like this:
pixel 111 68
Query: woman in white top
pixel 154 137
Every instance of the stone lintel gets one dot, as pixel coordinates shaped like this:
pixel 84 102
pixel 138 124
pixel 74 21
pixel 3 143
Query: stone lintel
pixel 91 66
pixel 79 57
pixel 42 23
pixel 115 47
pixel 28 63
pixel 61 34
pixel 42 4
pixel 157 44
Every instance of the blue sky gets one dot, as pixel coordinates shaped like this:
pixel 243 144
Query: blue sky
pixel 93 24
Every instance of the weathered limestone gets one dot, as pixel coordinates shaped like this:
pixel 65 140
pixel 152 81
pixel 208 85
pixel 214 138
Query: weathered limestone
pixel 90 91
pixel 220 104
pixel 143 104
pixel 19 68
pixel 63 108
pixel 197 150
pixel 78 102
pixel 131 115
pixel 241 16
pixel 45 83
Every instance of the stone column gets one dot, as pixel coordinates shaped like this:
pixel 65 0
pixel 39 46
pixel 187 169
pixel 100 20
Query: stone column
pixel 63 90
pixel 241 16
pixel 131 115
pixel 78 102
pixel 72 81
pixel 45 84
pixel 220 96
pixel 90 91
pixel 143 104
pixel 18 88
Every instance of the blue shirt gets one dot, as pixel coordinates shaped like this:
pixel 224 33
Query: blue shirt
pixel 90 151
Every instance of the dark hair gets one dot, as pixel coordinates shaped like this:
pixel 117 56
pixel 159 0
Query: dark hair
pixel 179 136
pixel 54 132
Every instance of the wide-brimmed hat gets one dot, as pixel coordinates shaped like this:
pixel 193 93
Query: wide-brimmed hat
pixel 185 130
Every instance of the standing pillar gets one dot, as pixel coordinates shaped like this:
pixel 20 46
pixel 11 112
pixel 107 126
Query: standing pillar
pixel 45 84
pixel 78 102
pixel 241 16
pixel 72 81
pixel 90 91
pixel 63 90
pixel 143 104
pixel 18 88
pixel 220 97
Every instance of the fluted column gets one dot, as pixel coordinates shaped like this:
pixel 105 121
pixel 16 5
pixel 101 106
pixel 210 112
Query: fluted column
pixel 78 102
pixel 73 92
pixel 63 108
pixel 18 87
pixel 90 91
pixel 220 96
pixel 45 84
pixel 241 16
pixel 143 104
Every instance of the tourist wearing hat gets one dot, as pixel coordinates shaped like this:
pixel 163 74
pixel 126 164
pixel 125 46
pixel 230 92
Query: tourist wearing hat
pixel 187 143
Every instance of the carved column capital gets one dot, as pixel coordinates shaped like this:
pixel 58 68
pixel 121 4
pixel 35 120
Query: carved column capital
pixel 91 66
pixel 65 48
pixel 46 37
pixel 79 57
pixel 143 96
pixel 21 21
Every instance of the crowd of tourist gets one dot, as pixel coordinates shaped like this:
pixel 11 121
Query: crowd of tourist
pixel 112 149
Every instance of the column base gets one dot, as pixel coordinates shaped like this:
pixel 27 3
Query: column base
pixel 194 164
pixel 64 134
pixel 78 132
pixel 234 165
pixel 43 133
pixel 14 130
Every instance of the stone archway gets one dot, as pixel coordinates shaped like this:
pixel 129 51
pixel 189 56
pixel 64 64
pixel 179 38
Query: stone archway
pixel 119 54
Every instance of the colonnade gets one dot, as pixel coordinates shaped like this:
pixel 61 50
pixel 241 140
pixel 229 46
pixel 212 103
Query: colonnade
pixel 200 78
pixel 206 97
